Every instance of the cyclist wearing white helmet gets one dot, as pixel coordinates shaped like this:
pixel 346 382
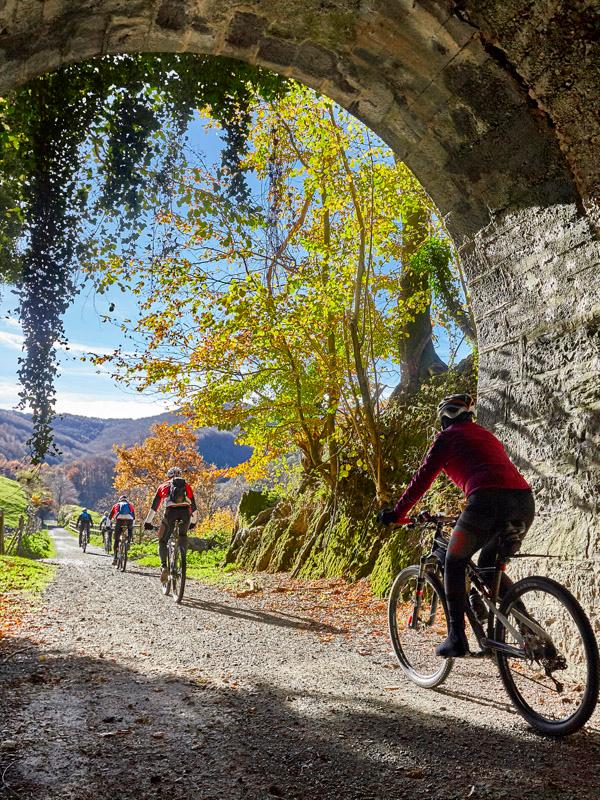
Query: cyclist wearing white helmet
pixel 123 514
pixel 180 504
pixel 499 500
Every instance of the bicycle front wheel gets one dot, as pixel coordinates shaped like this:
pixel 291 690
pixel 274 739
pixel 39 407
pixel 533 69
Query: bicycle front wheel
pixel 178 571
pixel 416 632
pixel 554 684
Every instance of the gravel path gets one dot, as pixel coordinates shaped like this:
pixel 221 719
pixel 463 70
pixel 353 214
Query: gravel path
pixel 113 691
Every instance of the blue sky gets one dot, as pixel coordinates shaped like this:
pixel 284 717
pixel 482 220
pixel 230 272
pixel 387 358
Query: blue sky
pixel 81 387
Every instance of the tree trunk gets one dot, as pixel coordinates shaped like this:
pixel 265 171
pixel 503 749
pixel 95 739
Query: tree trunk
pixel 418 359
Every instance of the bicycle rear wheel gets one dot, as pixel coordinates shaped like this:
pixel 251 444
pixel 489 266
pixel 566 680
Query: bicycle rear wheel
pixel 555 687
pixel 415 640
pixel 166 584
pixel 124 552
pixel 178 570
pixel 84 541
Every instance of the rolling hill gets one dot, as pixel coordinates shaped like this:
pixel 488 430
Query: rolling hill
pixel 79 437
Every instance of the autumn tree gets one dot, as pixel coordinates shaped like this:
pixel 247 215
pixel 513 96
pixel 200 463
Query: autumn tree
pixel 61 488
pixel 288 317
pixel 140 469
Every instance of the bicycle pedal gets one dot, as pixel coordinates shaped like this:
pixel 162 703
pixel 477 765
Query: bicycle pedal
pixel 477 654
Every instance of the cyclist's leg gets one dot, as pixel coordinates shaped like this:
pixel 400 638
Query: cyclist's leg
pixel 516 511
pixel 129 530
pixel 183 514
pixel 80 534
pixel 116 541
pixel 463 544
pixel 472 531
pixel 164 534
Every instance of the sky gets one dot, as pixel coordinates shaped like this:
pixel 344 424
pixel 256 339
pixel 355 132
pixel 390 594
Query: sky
pixel 81 387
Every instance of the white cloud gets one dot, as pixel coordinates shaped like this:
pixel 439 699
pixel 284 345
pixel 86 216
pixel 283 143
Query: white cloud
pixel 107 408
pixel 15 342
pixel 12 340
pixel 9 393
pixel 90 405
pixel 11 322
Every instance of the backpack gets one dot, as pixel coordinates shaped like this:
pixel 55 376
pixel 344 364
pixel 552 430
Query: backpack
pixel 177 492
pixel 85 516
pixel 125 508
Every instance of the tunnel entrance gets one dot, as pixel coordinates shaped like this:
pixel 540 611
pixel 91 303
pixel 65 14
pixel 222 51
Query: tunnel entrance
pixel 493 109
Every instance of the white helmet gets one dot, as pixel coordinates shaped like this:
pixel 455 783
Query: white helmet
pixel 455 405
pixel 174 472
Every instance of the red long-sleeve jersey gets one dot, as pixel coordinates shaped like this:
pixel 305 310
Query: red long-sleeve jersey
pixel 471 457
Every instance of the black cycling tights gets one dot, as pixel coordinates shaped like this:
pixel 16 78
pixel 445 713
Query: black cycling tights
pixel 463 545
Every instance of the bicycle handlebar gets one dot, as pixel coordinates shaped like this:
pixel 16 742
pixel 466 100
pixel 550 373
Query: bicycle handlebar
pixel 425 516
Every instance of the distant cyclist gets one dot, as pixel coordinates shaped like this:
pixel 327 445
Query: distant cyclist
pixel 84 523
pixel 499 501
pixel 180 504
pixel 123 514
pixel 106 530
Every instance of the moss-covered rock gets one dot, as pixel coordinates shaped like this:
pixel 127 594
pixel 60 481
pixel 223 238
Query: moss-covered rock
pixel 251 504
pixel 400 550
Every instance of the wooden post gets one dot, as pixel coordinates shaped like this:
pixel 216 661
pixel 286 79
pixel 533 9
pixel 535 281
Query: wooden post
pixel 20 534
pixel 1 531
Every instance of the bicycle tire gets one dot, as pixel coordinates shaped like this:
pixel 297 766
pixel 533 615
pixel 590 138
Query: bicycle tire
pixel 179 585
pixel 439 675
pixel 124 553
pixel 84 542
pixel 166 585
pixel 572 723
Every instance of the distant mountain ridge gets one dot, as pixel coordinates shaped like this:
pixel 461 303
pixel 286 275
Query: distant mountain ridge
pixel 78 437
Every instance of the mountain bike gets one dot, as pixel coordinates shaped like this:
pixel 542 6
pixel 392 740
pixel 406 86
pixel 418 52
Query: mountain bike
pixel 122 533
pixel 107 540
pixel 537 633
pixel 176 564
pixel 84 537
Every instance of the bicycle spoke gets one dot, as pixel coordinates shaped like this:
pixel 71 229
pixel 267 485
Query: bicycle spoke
pixel 416 628
pixel 555 685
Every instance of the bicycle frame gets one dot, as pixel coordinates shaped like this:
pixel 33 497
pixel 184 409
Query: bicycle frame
pixel 485 638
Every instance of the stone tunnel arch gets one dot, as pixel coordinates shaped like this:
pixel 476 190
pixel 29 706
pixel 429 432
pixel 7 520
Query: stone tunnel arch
pixel 492 106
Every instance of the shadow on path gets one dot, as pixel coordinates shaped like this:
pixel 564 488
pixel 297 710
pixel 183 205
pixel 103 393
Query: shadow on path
pixel 85 728
pixel 279 619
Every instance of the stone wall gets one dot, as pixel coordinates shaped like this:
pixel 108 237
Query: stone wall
pixel 494 105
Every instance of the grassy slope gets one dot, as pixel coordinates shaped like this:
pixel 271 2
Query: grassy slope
pixel 24 575
pixel 12 500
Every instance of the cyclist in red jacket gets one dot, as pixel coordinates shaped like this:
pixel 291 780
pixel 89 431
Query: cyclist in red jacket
pixel 180 504
pixel 123 513
pixel 499 500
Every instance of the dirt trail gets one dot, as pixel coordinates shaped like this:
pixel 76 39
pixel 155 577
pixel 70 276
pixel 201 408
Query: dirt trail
pixel 112 691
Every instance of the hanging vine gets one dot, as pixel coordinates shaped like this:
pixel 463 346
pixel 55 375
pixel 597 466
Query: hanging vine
pixel 75 146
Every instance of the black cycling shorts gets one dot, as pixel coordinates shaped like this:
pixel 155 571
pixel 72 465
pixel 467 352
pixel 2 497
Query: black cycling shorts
pixel 492 512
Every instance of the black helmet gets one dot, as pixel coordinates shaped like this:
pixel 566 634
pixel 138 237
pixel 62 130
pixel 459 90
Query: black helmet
pixel 454 405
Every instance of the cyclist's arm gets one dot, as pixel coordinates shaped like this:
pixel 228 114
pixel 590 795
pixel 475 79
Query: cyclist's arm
pixel 432 465
pixel 158 497
pixel 113 511
pixel 193 507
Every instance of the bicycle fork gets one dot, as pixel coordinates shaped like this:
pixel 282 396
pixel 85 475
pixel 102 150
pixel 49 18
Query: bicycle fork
pixel 413 620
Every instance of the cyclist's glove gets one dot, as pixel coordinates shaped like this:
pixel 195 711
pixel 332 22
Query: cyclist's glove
pixel 148 526
pixel 386 516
